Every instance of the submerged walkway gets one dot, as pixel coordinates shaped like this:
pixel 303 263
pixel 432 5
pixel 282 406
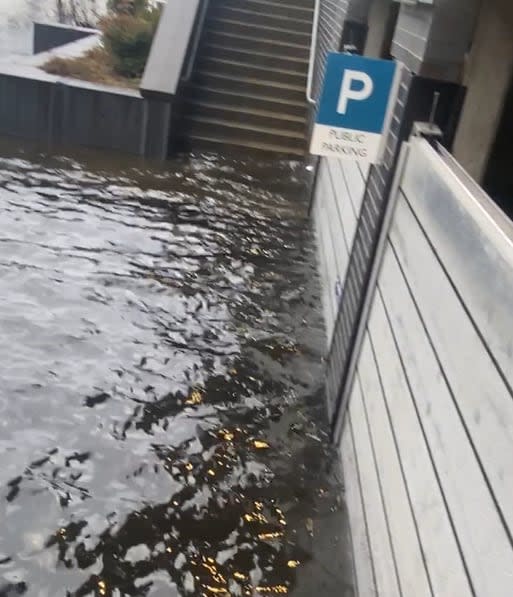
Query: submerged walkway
pixel 162 415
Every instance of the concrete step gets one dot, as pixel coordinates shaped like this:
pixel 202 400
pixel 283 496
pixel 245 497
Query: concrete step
pixel 256 44
pixel 283 34
pixel 247 85
pixel 235 68
pixel 255 101
pixel 299 10
pixel 242 13
pixel 258 59
pixel 214 128
pixel 246 116
pixel 229 146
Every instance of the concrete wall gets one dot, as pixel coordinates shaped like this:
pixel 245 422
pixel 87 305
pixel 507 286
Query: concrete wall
pixel 358 10
pixel 377 27
pixel 427 441
pixel 48 36
pixel 171 49
pixel 381 28
pixel 487 75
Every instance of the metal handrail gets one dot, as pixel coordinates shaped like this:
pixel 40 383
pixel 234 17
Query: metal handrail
pixel 313 50
pixel 196 41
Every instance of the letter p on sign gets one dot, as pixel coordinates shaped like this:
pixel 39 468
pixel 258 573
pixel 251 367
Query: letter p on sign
pixel 348 92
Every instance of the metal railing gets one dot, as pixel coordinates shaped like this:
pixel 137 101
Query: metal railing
pixel 196 41
pixel 313 52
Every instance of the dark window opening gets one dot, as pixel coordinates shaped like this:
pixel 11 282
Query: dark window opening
pixel 498 179
pixel 393 15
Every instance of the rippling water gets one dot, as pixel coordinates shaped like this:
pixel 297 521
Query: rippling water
pixel 161 428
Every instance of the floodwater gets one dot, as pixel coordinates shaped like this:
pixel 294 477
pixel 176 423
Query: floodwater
pixel 162 417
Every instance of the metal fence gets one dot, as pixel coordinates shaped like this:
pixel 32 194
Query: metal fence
pixel 427 439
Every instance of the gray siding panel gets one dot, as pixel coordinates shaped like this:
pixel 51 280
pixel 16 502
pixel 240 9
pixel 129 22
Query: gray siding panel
pixel 431 405
pixel 482 397
pixel 363 565
pixel 480 270
pixel 461 478
pixel 383 556
pixel 403 527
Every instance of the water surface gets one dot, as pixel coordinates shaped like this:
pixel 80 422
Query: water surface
pixel 161 428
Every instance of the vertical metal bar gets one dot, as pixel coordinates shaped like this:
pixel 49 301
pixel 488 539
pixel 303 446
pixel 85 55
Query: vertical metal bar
pixel 144 128
pixel 434 107
pixel 313 51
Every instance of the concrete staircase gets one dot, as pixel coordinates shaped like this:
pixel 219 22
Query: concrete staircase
pixel 248 87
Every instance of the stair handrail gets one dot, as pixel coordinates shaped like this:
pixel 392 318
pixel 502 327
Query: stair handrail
pixel 313 50
pixel 196 41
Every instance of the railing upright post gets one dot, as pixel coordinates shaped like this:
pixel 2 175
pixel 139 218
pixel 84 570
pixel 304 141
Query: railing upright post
pixel 313 51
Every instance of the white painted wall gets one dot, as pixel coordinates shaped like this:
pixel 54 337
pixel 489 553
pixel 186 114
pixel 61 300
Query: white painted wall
pixel 427 443
pixel 337 201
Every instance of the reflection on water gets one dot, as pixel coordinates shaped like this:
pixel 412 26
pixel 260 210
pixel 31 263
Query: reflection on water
pixel 161 417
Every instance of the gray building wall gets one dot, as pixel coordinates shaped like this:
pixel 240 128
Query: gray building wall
pixel 488 74
pixel 380 27
pixel 358 10
pixel 433 39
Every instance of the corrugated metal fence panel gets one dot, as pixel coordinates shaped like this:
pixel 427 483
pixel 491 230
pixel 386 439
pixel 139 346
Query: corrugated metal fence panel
pixel 429 433
pixel 364 575
pixel 329 199
pixel 331 22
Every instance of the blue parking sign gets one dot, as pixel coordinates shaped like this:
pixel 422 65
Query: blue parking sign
pixel 354 107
